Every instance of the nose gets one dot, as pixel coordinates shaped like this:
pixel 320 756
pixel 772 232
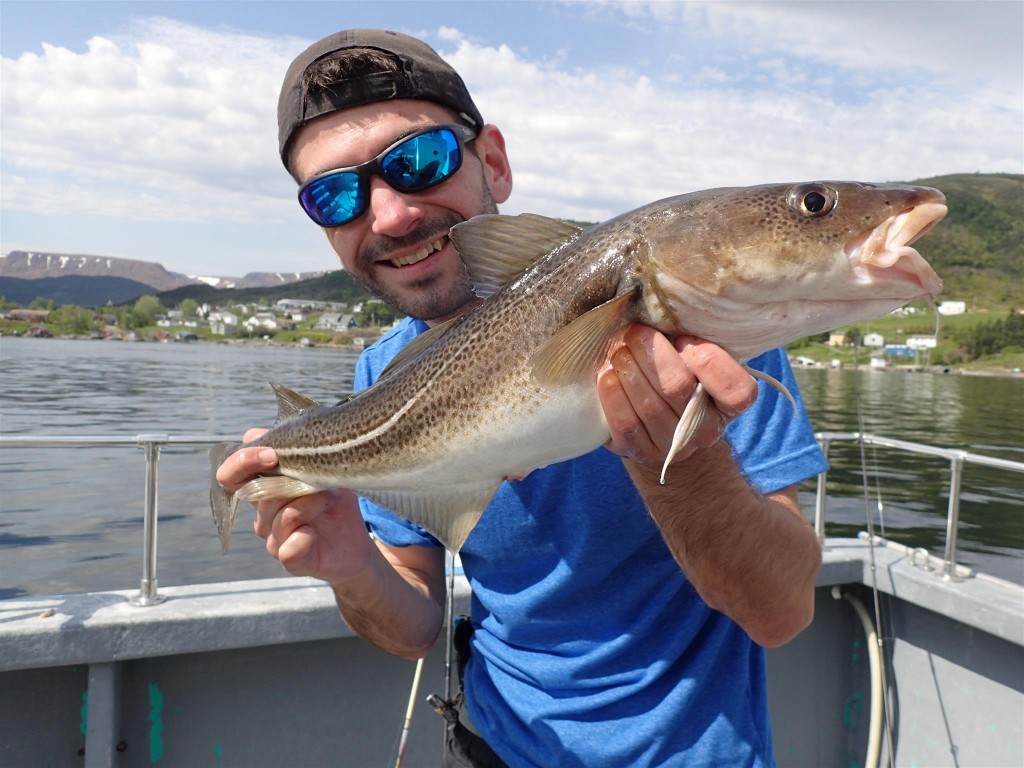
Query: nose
pixel 392 213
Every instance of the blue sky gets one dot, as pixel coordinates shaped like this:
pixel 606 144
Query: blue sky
pixel 147 129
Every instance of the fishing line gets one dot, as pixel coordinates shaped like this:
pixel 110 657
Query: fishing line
pixel 875 592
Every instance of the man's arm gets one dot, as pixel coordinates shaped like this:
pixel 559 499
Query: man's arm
pixel 749 555
pixel 392 596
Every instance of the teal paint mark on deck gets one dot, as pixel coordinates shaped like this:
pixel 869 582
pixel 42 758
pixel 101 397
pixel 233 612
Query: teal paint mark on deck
pixel 156 719
pixel 84 721
pixel 218 754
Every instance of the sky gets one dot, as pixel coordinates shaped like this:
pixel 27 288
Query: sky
pixel 147 130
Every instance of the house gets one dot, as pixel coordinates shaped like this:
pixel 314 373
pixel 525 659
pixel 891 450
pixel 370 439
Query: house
pixel 261 321
pixel 29 315
pixel 836 339
pixel 336 322
pixel 952 308
pixel 873 340
pixel 223 323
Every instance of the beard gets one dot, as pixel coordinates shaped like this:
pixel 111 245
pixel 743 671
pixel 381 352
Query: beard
pixel 436 297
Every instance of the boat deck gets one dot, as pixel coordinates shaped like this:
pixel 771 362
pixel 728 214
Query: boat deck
pixel 264 673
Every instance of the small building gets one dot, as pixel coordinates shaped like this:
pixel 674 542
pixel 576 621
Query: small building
pixel 223 323
pixel 336 322
pixel 952 308
pixel 873 340
pixel 837 339
pixel 29 315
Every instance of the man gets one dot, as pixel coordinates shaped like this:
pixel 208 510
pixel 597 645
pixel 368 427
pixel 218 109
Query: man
pixel 617 621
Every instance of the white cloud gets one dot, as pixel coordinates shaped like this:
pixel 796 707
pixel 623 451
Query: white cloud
pixel 170 122
pixel 167 122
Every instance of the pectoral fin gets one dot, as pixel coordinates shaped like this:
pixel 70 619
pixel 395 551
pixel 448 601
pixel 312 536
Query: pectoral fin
pixel 579 350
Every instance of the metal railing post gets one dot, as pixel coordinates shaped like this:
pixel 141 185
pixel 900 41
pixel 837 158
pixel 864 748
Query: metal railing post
pixel 151 444
pixel 819 498
pixel 956 466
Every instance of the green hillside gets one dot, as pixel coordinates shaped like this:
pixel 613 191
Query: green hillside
pixel 978 250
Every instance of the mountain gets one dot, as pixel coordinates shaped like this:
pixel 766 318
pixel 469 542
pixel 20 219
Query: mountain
pixel 978 251
pixel 93 281
pixel 28 265
pixel 80 290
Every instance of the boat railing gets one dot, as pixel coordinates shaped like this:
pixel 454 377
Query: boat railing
pixel 957 459
pixel 153 444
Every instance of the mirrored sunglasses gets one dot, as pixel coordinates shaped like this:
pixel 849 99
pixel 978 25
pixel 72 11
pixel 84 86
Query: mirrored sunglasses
pixel 413 164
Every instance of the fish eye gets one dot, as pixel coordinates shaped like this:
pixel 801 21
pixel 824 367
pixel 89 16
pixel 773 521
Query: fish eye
pixel 813 200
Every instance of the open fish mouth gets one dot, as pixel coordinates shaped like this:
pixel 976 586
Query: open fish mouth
pixel 884 254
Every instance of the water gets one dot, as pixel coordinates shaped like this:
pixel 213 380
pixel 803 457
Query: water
pixel 71 518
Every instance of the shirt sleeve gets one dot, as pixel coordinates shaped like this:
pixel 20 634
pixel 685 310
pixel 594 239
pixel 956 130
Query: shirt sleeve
pixel 773 444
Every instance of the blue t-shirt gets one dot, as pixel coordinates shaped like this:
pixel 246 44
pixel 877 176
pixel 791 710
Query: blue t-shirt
pixel 591 647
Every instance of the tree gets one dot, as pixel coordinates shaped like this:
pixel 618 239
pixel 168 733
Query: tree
pixel 73 319
pixel 145 311
pixel 188 309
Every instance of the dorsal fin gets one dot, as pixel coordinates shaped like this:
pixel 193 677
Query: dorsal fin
pixel 497 248
pixel 289 403
pixel 579 350
pixel 417 345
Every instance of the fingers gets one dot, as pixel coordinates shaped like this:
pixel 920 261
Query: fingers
pixel 321 535
pixel 648 383
pixel 243 465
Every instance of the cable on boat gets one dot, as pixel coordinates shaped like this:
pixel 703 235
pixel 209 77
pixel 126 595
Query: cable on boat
pixel 407 726
pixel 876 646
pixel 875 661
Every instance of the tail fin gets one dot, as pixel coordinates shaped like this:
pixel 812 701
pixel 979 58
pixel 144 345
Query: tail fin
pixel 222 501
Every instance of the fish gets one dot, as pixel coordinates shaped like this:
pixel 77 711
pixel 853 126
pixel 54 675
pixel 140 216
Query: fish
pixel 510 386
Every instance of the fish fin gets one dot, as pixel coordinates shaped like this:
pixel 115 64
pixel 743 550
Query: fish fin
pixel 580 349
pixel 774 383
pixel 222 501
pixel 497 248
pixel 417 345
pixel 290 403
pixel 693 415
pixel 274 487
pixel 448 514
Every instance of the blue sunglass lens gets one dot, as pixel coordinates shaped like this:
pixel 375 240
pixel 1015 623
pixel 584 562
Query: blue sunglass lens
pixel 414 165
pixel 422 161
pixel 334 199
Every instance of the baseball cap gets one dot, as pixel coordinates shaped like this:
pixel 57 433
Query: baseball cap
pixel 422 74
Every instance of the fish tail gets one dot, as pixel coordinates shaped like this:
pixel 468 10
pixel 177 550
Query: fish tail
pixel 223 502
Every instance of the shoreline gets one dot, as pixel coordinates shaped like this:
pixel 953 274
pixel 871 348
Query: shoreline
pixel 993 371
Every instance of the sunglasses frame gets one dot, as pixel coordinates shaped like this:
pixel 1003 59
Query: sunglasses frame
pixel 463 135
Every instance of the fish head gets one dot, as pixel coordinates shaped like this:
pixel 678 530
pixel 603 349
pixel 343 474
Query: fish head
pixel 792 259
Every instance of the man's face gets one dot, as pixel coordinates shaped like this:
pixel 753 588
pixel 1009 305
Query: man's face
pixel 398 249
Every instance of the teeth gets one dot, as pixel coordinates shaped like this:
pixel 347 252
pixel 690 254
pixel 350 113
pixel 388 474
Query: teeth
pixel 420 255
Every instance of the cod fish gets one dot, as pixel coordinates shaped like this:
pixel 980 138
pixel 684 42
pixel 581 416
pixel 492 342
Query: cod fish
pixel 511 386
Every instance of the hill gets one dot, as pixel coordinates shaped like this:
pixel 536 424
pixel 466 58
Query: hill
pixel 92 281
pixel 80 290
pixel 333 286
pixel 978 249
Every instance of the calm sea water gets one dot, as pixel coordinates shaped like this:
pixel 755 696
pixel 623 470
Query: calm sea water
pixel 71 518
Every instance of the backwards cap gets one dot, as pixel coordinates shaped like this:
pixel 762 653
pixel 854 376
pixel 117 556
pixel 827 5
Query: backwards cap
pixel 422 75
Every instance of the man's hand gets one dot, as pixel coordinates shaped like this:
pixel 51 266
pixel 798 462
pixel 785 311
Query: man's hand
pixel 320 535
pixel 649 381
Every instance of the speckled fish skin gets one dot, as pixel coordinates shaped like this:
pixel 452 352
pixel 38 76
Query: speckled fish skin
pixel 511 386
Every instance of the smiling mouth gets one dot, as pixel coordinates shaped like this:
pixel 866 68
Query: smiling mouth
pixel 421 254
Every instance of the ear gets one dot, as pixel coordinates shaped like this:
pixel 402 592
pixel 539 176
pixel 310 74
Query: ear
pixel 490 148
